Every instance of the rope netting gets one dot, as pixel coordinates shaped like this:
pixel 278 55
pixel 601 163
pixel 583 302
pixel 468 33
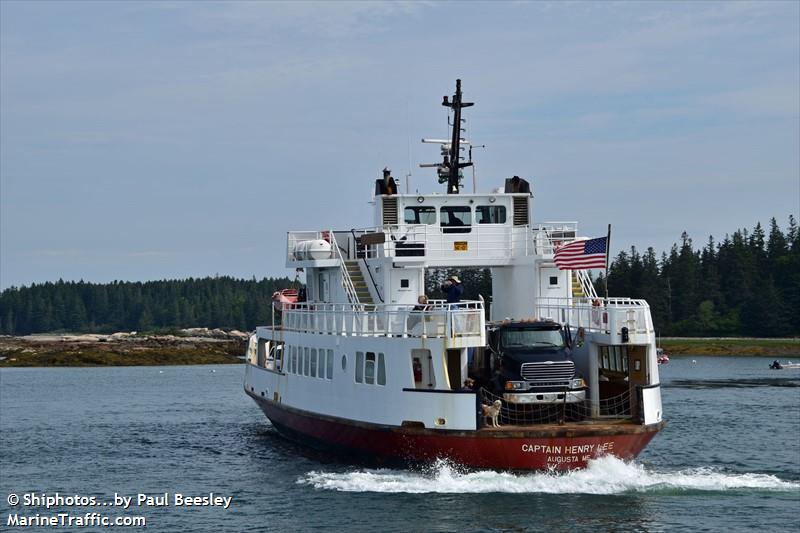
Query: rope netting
pixel 565 410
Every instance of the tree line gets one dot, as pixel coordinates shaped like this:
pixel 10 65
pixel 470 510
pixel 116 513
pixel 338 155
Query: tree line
pixel 746 284
pixel 221 301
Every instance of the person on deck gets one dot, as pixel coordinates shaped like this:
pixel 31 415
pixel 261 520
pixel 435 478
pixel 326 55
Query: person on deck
pixel 422 303
pixel 453 288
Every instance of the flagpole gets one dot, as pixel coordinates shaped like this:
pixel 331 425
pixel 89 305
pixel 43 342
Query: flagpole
pixel 608 250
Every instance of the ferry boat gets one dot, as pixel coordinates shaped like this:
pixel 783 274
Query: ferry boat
pixel 544 374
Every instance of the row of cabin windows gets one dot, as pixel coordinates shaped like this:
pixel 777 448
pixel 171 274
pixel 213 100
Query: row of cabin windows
pixel 455 218
pixel 312 362
pixel 366 370
pixel 613 358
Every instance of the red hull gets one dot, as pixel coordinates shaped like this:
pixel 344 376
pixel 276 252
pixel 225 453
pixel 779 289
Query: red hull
pixel 546 447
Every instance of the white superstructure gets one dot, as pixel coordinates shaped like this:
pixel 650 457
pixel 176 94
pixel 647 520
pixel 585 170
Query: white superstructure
pixel 360 349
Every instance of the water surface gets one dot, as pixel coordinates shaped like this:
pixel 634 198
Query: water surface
pixel 729 459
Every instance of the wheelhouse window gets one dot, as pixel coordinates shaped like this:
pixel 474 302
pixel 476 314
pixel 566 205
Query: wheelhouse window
pixel 420 214
pixel 456 219
pixel 490 214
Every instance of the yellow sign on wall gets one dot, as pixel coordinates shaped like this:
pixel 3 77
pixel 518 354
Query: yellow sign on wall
pixel 460 246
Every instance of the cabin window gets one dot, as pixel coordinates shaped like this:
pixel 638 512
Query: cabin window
pixel 279 356
pixel 381 370
pixel 456 219
pixel 313 372
pixel 293 361
pixel 359 367
pixel 344 363
pixel 329 365
pixel 261 357
pixel 403 283
pixel 369 369
pixel 614 359
pixel 305 361
pixel 553 280
pixel 490 214
pixel 420 214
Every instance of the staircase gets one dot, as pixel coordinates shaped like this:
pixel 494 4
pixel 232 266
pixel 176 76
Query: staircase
pixel 582 286
pixel 359 284
pixel 577 289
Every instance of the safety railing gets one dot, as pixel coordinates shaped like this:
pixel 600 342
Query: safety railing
pixel 347 282
pixel 603 315
pixel 586 283
pixel 519 414
pixel 435 320
pixel 407 241
pixel 547 236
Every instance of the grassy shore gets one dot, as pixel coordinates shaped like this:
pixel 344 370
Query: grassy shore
pixel 153 350
pixel 30 352
pixel 732 346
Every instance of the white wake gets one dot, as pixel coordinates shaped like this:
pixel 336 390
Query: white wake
pixel 607 475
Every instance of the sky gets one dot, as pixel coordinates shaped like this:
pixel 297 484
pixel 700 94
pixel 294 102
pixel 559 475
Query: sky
pixel 157 140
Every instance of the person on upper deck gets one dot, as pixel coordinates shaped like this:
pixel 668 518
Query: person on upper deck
pixel 453 288
pixel 422 303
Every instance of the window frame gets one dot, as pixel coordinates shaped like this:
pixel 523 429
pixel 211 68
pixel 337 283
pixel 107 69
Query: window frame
pixel 464 227
pixel 417 209
pixel 359 367
pixel 489 208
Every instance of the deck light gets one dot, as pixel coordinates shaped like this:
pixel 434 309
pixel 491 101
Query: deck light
pixel 420 199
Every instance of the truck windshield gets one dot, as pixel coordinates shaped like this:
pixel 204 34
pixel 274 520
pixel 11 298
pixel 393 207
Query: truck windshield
pixel 522 338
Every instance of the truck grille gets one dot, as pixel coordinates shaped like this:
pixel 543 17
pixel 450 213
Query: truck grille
pixel 552 371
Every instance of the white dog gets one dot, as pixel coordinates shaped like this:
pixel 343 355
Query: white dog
pixel 492 413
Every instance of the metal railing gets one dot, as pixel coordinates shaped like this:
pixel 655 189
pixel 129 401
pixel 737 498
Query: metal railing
pixel 605 315
pixel 435 320
pixel 347 282
pixel 517 414
pixel 586 283
pixel 547 236
pixel 490 241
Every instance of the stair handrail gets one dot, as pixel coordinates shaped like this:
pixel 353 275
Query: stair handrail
pixel 347 282
pixel 366 265
pixel 586 283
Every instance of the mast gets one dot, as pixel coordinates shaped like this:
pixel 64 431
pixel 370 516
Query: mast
pixel 453 163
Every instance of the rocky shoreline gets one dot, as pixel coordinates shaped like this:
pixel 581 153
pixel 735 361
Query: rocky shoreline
pixel 186 347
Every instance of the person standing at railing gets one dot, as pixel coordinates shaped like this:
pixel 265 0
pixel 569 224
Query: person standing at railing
pixel 417 313
pixel 453 288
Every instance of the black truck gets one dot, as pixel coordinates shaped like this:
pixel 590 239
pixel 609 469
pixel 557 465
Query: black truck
pixel 530 363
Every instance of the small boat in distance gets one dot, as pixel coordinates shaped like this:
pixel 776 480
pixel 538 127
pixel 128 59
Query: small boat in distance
pixel 777 365
pixel 362 361
pixel 662 356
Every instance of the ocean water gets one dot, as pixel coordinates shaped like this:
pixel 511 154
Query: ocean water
pixel 729 460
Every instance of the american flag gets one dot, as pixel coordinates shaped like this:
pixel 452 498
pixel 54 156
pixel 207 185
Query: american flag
pixel 581 255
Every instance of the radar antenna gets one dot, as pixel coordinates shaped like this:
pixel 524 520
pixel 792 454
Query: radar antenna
pixel 454 164
pixel 449 170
